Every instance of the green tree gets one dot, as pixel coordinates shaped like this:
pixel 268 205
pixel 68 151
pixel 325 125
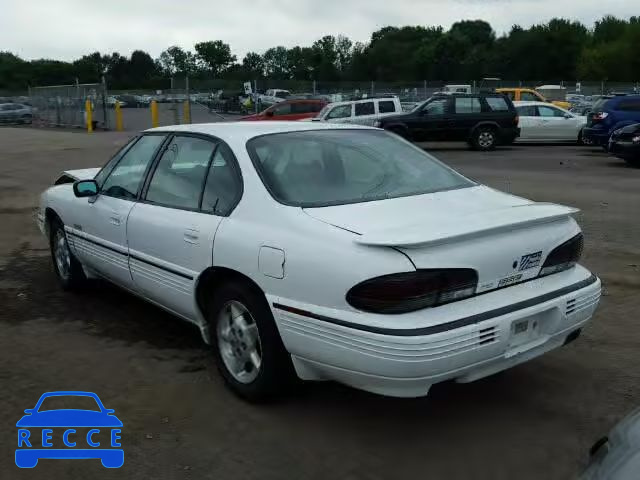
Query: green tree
pixel 215 56
pixel 276 63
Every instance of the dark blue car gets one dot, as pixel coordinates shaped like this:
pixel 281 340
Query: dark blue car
pixel 609 115
pixel 35 434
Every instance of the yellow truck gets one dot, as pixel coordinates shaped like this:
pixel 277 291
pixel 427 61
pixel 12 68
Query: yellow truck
pixel 552 94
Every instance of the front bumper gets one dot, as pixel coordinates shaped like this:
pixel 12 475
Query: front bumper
pixel 625 149
pixel 407 364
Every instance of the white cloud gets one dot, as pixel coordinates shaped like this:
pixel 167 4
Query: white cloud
pixel 67 29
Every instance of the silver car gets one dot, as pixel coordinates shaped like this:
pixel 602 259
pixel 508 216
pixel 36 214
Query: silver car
pixel 15 113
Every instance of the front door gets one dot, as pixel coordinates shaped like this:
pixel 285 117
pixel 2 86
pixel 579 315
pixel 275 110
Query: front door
pixel 98 232
pixel 194 186
pixel 430 123
pixel 556 125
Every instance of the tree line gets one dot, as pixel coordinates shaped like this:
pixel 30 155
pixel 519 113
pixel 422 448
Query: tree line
pixel 470 50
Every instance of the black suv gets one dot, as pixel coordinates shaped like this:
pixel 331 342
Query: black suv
pixel 483 120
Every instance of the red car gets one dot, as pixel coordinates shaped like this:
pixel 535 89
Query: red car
pixel 289 110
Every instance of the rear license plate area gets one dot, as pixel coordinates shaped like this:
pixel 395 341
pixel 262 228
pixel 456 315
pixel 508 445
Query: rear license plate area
pixel 529 332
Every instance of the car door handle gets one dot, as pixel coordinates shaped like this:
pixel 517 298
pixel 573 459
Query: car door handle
pixel 191 236
pixel 115 219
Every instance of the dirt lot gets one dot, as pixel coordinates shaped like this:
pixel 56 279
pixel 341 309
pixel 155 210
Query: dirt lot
pixel 535 421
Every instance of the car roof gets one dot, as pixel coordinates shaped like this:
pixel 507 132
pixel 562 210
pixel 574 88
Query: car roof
pixel 524 103
pixel 301 100
pixel 243 131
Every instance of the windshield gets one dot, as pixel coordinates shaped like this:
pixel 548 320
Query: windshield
pixel 69 402
pixel 333 167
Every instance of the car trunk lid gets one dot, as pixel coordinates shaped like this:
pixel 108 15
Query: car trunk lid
pixel 503 237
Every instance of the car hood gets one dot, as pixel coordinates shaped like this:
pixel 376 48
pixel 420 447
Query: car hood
pixel 398 117
pixel 69 418
pixel 82 173
pixel 492 232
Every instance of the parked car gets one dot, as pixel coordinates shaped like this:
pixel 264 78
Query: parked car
pixel 610 114
pixel 616 456
pixel 456 89
pixel 529 95
pixel 543 122
pixel 483 120
pixel 272 96
pixel 15 113
pixel 111 102
pixel 289 110
pixel 326 251
pixel 360 112
pixel 625 144
pixel 132 101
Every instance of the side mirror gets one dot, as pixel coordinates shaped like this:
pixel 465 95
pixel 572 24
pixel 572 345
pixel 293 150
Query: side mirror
pixel 109 411
pixel 29 411
pixel 269 113
pixel 85 188
pixel 567 116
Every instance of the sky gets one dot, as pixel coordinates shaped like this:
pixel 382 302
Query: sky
pixel 68 29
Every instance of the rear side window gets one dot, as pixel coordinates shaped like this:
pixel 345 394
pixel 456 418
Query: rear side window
pixel 527 111
pixel 366 108
pixel 468 105
pixel 630 105
pixel 386 107
pixel 224 186
pixel 498 104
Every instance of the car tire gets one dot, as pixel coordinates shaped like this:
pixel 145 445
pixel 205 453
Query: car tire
pixel 484 139
pixel 65 265
pixel 249 353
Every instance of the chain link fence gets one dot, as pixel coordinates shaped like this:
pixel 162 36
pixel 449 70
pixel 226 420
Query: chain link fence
pixel 212 100
pixel 64 105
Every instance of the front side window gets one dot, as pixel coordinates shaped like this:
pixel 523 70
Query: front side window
pixel 550 112
pixel 527 111
pixel 436 107
pixel 468 105
pixel 102 174
pixel 341 111
pixel 334 167
pixel 629 106
pixel 125 179
pixel 365 108
pixel 179 177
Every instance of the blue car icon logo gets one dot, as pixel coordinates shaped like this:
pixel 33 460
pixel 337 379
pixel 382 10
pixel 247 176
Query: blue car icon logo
pixel 92 432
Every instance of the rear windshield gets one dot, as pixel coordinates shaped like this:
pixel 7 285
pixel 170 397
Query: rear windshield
pixel 319 168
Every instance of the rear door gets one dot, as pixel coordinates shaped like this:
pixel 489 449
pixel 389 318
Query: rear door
pixel 530 122
pixel 194 185
pixel 465 115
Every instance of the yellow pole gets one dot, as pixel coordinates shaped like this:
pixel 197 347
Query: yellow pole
pixel 87 108
pixel 186 112
pixel 154 114
pixel 118 117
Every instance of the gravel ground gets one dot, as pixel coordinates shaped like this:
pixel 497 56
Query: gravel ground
pixel 532 422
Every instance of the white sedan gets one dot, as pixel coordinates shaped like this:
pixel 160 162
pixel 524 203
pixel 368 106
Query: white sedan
pixel 545 122
pixel 326 252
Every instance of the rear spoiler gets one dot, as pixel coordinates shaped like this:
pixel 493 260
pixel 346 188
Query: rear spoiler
pixel 478 224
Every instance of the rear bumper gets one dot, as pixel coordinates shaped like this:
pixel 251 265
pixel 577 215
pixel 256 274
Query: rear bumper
pixel 596 136
pixel 406 365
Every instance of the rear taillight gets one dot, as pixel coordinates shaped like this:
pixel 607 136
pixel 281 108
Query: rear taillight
pixel 600 115
pixel 410 291
pixel 563 257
